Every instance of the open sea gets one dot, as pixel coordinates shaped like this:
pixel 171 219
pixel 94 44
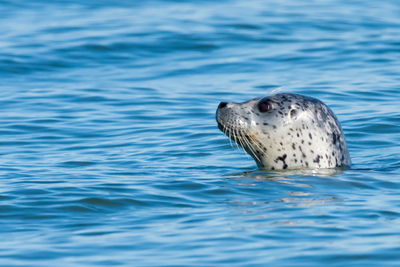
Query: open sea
pixel 110 154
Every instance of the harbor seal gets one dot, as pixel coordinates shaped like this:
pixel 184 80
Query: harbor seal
pixel 286 131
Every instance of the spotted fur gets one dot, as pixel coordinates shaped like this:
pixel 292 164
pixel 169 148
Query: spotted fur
pixel 286 131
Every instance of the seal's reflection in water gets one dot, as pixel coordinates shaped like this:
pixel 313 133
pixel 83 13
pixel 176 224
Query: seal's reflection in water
pixel 293 177
pixel 285 195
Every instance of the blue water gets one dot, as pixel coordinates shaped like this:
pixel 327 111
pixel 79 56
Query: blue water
pixel 110 154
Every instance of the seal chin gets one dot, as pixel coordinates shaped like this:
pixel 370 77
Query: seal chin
pixel 221 127
pixel 217 115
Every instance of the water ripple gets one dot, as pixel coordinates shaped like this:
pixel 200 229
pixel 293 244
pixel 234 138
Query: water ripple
pixel 111 155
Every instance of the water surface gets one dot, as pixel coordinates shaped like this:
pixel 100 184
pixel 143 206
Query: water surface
pixel 110 153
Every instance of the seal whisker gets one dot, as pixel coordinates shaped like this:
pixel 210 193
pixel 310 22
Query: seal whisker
pixel 236 135
pixel 236 138
pixel 251 145
pixel 242 143
pixel 251 149
pixel 232 136
pixel 229 135
pixel 255 142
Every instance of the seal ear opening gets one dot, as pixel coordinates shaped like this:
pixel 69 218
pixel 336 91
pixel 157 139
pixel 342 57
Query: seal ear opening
pixel 293 113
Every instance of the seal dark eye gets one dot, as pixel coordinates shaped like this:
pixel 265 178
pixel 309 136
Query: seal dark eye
pixel 264 105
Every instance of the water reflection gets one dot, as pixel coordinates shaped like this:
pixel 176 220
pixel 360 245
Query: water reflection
pixel 291 189
pixel 310 172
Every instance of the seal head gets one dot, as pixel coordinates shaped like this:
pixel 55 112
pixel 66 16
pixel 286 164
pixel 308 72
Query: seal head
pixel 286 131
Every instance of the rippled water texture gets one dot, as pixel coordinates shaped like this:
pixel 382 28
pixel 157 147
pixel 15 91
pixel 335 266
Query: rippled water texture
pixel 110 153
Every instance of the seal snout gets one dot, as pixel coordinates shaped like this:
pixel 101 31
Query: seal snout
pixel 219 116
pixel 222 105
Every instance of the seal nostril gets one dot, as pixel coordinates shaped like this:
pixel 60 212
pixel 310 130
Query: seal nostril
pixel 222 105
